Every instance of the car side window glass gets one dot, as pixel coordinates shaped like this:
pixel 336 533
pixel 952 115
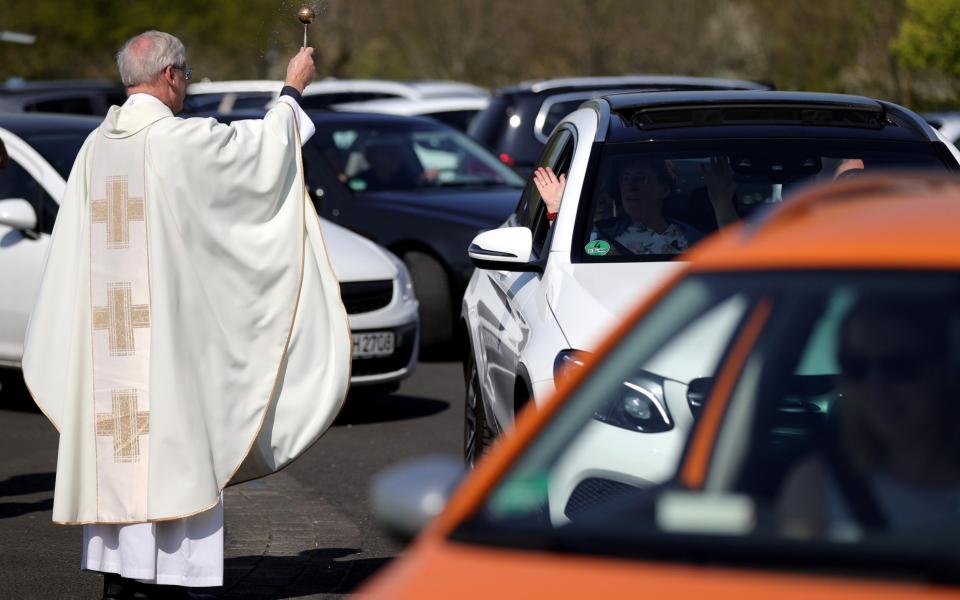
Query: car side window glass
pixel 77 106
pixel 560 166
pixel 16 182
pixel 530 201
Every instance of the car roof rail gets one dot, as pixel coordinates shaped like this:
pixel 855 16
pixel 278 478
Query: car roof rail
pixel 889 183
pixel 697 109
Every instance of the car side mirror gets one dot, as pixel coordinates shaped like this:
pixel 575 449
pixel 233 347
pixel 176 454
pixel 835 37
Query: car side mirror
pixel 18 214
pixel 504 249
pixel 697 392
pixel 409 495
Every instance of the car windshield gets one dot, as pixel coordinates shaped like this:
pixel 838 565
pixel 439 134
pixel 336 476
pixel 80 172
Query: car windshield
pixel 651 201
pixel 401 156
pixel 59 148
pixel 827 401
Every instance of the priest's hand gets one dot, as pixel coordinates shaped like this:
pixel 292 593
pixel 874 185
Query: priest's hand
pixel 300 69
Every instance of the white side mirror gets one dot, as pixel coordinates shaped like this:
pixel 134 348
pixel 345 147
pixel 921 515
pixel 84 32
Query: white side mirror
pixel 504 249
pixel 18 214
pixel 407 496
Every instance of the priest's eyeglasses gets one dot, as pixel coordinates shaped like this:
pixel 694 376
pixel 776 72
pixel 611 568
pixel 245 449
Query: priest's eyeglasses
pixel 187 71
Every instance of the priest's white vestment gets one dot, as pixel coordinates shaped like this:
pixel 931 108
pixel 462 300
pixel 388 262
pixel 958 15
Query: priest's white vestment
pixel 189 332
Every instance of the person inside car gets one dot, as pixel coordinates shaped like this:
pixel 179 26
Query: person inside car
pixel 643 188
pixel 894 461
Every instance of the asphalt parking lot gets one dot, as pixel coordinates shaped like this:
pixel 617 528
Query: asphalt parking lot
pixel 306 532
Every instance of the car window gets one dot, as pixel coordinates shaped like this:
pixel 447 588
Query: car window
pixel 16 182
pixel 59 148
pixel 653 202
pixel 390 156
pixel 560 165
pixel 458 119
pixel 530 201
pixel 553 111
pixel 79 105
pixel 325 100
pixel 835 443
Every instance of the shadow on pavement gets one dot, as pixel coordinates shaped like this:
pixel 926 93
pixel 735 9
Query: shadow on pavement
pixel 394 407
pixel 13 392
pixel 30 483
pixel 305 574
pixel 15 509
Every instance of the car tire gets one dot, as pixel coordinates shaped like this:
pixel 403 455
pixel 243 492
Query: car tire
pixel 477 435
pixel 432 288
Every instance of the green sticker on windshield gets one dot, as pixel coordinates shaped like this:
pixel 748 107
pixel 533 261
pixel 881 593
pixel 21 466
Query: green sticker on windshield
pixel 597 248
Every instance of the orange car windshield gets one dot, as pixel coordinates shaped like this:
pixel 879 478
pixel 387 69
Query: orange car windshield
pixel 835 444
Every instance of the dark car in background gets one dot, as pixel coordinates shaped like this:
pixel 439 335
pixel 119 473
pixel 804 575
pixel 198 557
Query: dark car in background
pixel 69 97
pixel 520 118
pixel 419 188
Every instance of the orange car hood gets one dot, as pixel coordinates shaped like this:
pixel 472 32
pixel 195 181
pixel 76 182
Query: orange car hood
pixel 439 569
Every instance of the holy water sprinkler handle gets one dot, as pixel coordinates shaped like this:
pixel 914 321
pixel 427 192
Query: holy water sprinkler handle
pixel 306 16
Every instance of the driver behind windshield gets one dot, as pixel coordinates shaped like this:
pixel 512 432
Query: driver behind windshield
pixel 894 461
pixel 643 187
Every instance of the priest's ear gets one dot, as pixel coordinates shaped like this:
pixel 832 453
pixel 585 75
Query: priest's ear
pixel 170 75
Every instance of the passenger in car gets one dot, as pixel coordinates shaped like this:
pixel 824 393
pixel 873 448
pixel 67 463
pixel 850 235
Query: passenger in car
pixel 894 460
pixel 643 187
pixel 849 167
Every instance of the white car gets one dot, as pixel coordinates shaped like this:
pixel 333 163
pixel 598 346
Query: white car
pixel 225 96
pixel 455 111
pixel 647 175
pixel 374 284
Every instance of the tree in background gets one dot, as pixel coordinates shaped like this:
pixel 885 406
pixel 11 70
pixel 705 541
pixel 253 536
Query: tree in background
pixel 903 50
pixel 929 42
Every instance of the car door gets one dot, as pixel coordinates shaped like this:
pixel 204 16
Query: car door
pixel 503 327
pixel 22 252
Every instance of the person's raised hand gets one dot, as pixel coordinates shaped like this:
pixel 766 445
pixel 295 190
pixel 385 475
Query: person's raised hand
pixel 300 69
pixel 550 187
pixel 721 189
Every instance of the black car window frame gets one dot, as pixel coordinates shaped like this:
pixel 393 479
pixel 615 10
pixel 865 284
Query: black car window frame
pixel 530 200
pixel 561 165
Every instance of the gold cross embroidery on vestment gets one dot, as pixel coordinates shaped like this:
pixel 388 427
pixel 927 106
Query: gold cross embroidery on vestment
pixel 120 317
pixel 125 424
pixel 117 211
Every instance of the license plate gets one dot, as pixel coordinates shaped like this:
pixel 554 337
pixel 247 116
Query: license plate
pixel 378 343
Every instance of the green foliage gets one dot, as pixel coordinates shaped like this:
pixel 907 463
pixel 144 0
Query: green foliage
pixel 904 50
pixel 930 36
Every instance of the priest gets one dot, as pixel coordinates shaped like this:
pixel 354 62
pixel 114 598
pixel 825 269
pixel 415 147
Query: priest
pixel 189 332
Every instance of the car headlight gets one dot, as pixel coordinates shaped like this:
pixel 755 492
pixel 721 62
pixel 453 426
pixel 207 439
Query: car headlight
pixel 403 278
pixel 640 406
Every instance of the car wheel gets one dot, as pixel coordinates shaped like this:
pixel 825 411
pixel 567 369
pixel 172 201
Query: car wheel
pixel 432 288
pixel 477 436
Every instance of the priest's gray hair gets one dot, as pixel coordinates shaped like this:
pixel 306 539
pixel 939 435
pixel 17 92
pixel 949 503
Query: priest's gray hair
pixel 144 57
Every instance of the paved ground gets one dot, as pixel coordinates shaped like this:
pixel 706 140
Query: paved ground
pixel 306 532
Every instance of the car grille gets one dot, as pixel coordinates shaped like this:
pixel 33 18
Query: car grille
pixel 406 337
pixel 366 296
pixel 589 493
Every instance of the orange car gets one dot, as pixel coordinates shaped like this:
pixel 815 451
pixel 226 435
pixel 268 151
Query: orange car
pixel 811 360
